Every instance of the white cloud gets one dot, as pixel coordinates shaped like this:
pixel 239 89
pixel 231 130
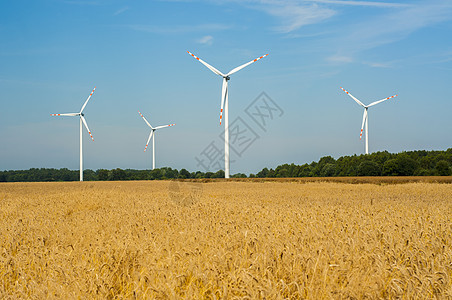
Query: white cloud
pixel 388 28
pixel 121 10
pixel 294 17
pixel 340 59
pixel 294 14
pixel 206 40
pixel 393 21
pixel 361 3
pixel 378 65
pixel 400 24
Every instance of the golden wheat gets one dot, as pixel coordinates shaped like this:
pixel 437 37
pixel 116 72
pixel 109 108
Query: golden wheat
pixel 225 240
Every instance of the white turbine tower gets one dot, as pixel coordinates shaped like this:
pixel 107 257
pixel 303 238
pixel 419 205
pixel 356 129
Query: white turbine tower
pixel 82 120
pixel 152 134
pixel 366 117
pixel 225 104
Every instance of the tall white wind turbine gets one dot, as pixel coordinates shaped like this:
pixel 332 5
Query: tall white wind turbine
pixel 225 104
pixel 82 120
pixel 152 134
pixel 366 116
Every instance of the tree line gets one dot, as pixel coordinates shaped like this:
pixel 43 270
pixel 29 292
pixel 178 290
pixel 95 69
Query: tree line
pixel 412 163
pixel 45 174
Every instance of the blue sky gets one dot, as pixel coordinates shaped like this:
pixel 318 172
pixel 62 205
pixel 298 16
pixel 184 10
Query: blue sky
pixel 53 52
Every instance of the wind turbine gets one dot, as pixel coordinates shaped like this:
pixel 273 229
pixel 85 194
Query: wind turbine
pixel 152 134
pixel 82 120
pixel 366 117
pixel 225 104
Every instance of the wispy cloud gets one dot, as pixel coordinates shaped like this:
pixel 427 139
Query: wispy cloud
pixel 121 10
pixel 379 65
pixel 179 29
pixel 340 59
pixel 294 17
pixel 389 22
pixel 398 25
pixel 361 3
pixel 206 40
pixel 294 14
pixel 388 28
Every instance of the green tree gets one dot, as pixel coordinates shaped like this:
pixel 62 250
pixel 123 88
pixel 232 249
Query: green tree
pixel 328 170
pixel 239 175
pixel 168 173
pixel 218 174
pixel 426 162
pixel 89 175
pixel 103 174
pixel 391 167
pixel 271 173
pixel 369 168
pixel 155 174
pixel 304 171
pixel 184 174
pixel 117 174
pixel 197 175
pixel 442 168
pixel 403 165
pixel 282 171
pixel 407 165
pixel 263 173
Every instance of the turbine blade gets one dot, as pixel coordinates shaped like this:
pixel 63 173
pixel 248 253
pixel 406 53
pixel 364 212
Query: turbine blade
pixel 145 120
pixel 163 126
pixel 86 102
pixel 245 65
pixel 379 101
pixel 364 121
pixel 224 92
pixel 357 101
pixel 149 139
pixel 86 125
pixel 67 115
pixel 207 65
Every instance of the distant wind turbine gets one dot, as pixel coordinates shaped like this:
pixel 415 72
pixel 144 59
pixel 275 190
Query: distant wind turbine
pixel 82 120
pixel 225 104
pixel 152 134
pixel 366 117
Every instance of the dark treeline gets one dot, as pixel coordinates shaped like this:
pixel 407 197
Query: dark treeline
pixel 43 174
pixel 413 163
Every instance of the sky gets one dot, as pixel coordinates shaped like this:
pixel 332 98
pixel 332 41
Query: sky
pixel 285 108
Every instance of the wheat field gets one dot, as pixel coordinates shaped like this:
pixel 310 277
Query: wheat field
pixel 225 240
